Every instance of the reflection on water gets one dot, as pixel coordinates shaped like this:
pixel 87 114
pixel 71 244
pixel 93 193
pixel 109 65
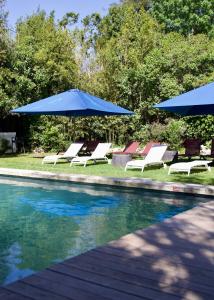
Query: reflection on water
pixel 43 222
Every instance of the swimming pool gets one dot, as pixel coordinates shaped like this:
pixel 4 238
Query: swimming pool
pixel 44 222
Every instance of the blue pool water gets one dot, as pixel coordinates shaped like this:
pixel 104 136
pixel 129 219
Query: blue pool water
pixel 44 222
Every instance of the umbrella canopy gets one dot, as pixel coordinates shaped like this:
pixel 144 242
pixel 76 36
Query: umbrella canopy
pixel 72 103
pixel 199 101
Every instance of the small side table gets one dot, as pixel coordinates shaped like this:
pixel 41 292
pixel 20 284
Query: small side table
pixel 120 160
pixel 170 156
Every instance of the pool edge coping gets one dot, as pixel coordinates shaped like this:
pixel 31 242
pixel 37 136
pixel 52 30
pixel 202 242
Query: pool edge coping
pixel 134 182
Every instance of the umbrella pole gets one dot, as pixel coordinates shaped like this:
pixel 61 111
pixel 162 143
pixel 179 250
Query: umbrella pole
pixel 73 124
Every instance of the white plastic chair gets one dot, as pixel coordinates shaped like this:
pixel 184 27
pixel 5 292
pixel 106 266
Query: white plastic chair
pixel 69 154
pixel 98 154
pixel 154 157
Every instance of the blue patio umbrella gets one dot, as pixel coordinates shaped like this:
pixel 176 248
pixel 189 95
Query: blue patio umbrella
pixel 199 101
pixel 74 103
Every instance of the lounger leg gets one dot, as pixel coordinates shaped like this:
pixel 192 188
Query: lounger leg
pixel 208 168
pixel 142 169
pixel 164 165
pixel 188 172
pixel 169 172
pixel 85 164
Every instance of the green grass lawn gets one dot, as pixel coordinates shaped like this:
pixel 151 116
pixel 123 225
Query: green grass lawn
pixel 26 161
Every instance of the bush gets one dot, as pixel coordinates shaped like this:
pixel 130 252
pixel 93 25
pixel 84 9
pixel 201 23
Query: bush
pixel 171 133
pixel 4 145
pixel 150 132
pixel 48 135
pixel 201 127
pixel 174 133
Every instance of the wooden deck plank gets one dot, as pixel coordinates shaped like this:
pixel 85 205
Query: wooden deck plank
pixel 136 275
pixel 96 288
pixel 60 286
pixel 112 283
pixel 3 291
pixel 170 260
pixel 151 257
pixel 27 290
pixel 159 239
pixel 140 264
pixel 5 294
pixel 15 296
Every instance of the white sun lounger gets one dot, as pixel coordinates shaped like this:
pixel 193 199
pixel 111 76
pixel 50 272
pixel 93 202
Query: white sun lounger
pixel 69 154
pixel 98 154
pixel 154 157
pixel 187 166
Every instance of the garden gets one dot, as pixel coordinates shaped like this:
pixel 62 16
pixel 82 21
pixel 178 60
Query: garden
pixel 137 55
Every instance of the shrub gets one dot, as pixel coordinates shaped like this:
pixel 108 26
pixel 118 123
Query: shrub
pixel 171 133
pixel 48 135
pixel 201 127
pixel 4 145
pixel 174 133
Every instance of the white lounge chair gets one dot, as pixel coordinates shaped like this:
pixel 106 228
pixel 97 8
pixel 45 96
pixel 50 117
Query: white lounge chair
pixel 98 154
pixel 69 154
pixel 187 166
pixel 154 157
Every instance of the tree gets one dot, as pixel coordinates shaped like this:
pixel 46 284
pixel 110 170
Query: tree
pixel 185 16
pixel 69 19
pixel 44 58
pixel 44 64
pixel 6 72
pixel 137 66
pixel 125 57
pixel 125 36
pixel 3 14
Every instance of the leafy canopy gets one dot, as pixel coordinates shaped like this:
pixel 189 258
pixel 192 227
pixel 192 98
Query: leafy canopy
pixel 125 57
pixel 185 16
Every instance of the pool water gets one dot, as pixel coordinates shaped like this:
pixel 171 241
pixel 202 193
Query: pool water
pixel 43 222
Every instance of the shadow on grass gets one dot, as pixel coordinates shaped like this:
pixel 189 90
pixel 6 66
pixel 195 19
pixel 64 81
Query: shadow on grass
pixel 197 177
pixel 24 161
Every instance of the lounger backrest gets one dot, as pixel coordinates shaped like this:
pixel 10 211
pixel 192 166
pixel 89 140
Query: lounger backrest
pixel 131 147
pixel 148 146
pixel 90 146
pixel 192 147
pixel 73 150
pixel 212 148
pixel 156 153
pixel 101 150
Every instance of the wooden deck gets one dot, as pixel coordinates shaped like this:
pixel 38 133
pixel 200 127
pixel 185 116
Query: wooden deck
pixel 171 260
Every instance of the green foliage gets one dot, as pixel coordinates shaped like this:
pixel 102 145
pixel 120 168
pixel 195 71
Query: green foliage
pixel 42 63
pixel 172 133
pixel 47 134
pixel 137 66
pixel 124 57
pixel 185 16
pixel 4 145
pixel 201 127
pixel 44 58
pixel 3 15
pixel 69 19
